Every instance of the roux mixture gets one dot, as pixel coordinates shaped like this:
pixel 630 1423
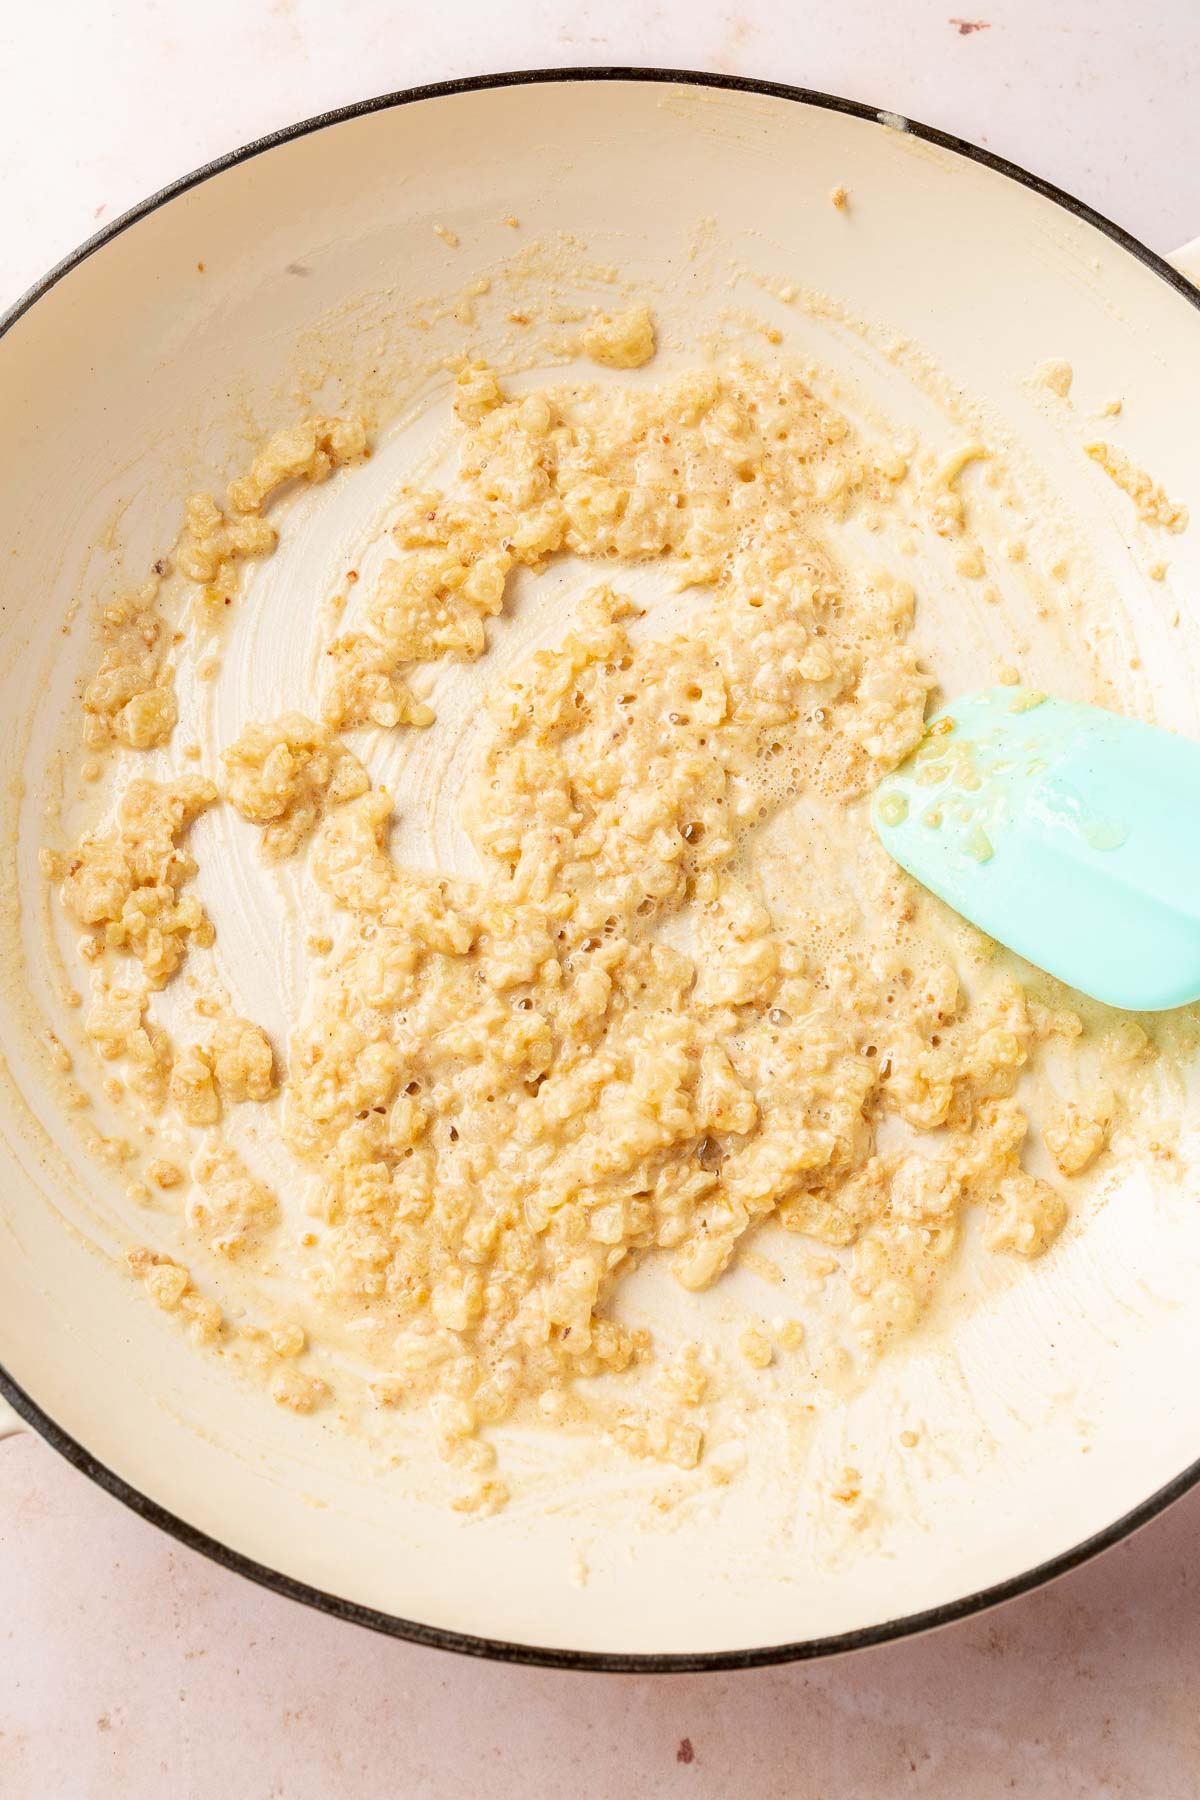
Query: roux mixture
pixel 605 1045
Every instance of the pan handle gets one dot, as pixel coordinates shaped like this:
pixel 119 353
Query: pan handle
pixel 1187 260
pixel 11 1423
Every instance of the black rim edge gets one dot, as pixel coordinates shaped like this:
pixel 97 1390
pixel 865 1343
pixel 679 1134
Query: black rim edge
pixel 467 84
pixel 436 1637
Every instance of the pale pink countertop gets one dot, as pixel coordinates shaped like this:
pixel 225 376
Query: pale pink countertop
pixel 130 1667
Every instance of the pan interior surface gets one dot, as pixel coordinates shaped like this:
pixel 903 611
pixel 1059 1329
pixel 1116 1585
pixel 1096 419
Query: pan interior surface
pixel 347 265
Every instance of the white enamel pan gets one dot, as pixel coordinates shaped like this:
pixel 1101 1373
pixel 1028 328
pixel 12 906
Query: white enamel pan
pixel 1064 1412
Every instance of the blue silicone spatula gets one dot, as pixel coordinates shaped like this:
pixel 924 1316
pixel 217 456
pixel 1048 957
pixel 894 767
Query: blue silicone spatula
pixel 1067 833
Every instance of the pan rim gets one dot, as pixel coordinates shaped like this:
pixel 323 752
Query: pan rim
pixel 390 1624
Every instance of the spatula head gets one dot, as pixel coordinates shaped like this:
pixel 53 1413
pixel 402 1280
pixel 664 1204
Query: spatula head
pixel 1068 833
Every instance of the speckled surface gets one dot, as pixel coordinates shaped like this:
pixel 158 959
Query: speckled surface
pixel 130 1667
